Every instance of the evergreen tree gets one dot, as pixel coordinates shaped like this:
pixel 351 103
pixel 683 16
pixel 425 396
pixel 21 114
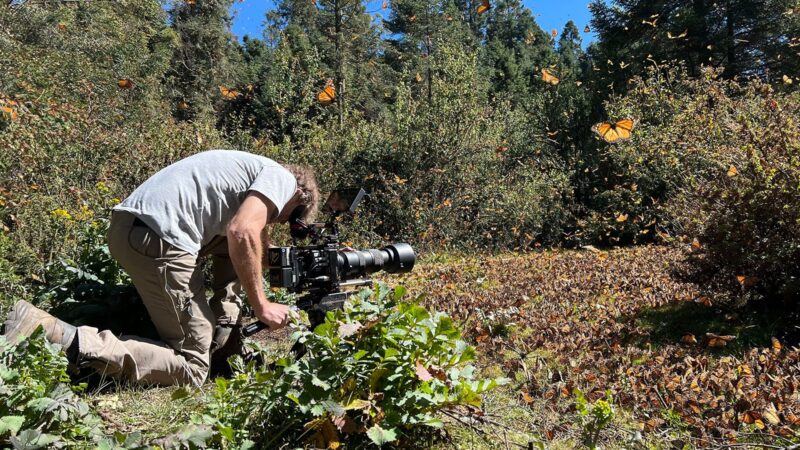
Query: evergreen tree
pixel 418 28
pixel 206 58
pixel 517 49
pixel 747 37
pixel 346 42
pixel 569 49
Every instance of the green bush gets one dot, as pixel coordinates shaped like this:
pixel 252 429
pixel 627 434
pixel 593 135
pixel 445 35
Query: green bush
pixel 374 371
pixel 458 171
pixel 76 139
pixel 715 163
pixel 38 408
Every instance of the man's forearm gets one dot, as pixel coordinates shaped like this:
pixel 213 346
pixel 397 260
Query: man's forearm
pixel 246 251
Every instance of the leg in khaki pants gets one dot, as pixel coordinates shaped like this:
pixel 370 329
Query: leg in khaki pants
pixel 170 282
pixel 225 302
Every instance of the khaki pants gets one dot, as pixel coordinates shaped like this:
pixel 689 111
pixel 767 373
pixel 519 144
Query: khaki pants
pixel 171 284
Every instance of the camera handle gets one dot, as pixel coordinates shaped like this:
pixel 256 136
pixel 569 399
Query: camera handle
pixel 316 304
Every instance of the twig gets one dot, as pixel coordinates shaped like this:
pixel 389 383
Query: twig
pixel 663 403
pixel 464 422
pixel 460 419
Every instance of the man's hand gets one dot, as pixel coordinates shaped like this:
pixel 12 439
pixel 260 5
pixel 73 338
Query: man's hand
pixel 274 315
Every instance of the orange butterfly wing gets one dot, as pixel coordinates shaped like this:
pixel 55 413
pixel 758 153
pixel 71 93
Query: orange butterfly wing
pixel 549 77
pixel 229 93
pixel 602 129
pixel 125 83
pixel 624 128
pixel 484 7
pixel 328 94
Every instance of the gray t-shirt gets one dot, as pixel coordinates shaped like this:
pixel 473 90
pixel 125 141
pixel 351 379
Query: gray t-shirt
pixel 191 201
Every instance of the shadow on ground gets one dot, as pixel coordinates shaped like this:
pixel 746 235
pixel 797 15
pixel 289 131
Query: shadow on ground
pixel 752 326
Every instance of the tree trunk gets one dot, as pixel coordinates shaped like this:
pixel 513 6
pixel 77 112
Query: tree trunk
pixel 730 66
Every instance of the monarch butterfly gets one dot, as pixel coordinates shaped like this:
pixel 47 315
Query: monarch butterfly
pixel 228 92
pixel 615 132
pixel 328 94
pixel 125 83
pixel 483 7
pixel 652 23
pixel 554 33
pixel 680 36
pixel 11 112
pixel 183 105
pixel 716 341
pixel 549 77
pixel 587 29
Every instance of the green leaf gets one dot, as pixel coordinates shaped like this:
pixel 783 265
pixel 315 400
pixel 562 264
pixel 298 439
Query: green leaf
pixel 32 440
pixel 381 436
pixel 226 432
pixel 399 292
pixel 319 383
pixel 180 393
pixel 11 424
pixel 40 404
pixel 358 404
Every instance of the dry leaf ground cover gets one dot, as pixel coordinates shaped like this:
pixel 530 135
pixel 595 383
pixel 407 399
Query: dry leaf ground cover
pixel 682 368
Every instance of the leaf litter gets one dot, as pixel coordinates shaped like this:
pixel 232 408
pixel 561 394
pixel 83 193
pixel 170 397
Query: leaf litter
pixel 583 309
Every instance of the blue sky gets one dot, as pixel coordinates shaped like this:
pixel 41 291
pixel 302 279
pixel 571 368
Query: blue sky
pixel 249 15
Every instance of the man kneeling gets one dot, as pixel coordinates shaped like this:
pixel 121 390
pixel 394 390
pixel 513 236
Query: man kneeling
pixel 214 204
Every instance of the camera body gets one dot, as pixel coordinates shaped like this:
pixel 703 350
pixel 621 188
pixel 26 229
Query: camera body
pixel 322 268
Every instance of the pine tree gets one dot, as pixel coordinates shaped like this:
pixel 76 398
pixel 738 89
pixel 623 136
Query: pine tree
pixel 418 28
pixel 747 37
pixel 346 42
pixel 517 49
pixel 206 58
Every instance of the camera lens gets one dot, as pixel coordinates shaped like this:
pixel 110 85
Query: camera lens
pixel 395 258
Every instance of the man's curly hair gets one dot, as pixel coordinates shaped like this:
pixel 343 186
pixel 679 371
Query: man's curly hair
pixel 307 183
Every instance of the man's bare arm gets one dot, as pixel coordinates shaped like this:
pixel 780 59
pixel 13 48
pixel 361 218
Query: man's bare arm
pixel 246 249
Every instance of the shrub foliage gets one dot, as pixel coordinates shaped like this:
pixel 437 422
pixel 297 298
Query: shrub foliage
pixel 715 163
pixel 374 372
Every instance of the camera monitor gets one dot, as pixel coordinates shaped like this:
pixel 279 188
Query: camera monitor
pixel 344 201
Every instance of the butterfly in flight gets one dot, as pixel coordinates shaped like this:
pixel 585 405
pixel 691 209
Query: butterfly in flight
pixel 680 36
pixel 652 21
pixel 548 77
pixel 484 7
pixel 327 95
pixel 228 92
pixel 615 132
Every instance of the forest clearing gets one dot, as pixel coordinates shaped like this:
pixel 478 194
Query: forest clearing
pixel 585 237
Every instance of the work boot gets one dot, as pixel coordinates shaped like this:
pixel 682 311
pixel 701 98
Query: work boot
pixel 228 341
pixel 24 318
